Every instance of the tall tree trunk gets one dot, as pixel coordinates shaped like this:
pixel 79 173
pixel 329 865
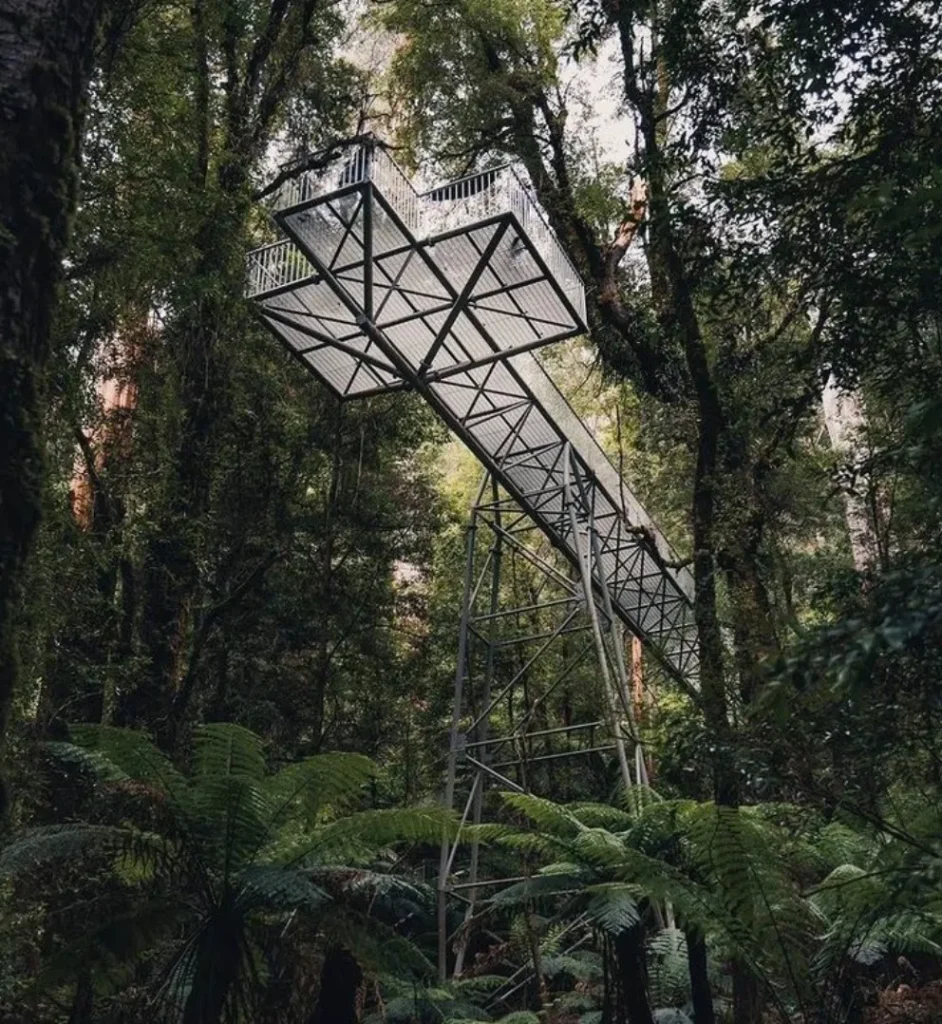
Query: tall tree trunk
pixel 48 50
pixel 845 421
pixel 677 314
pixel 678 319
pixel 171 591
pixel 754 635
pixel 325 646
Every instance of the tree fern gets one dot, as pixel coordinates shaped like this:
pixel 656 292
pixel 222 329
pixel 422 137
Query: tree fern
pixel 723 871
pixel 243 847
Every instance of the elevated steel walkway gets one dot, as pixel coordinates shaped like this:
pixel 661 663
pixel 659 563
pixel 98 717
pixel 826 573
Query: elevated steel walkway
pixel 448 293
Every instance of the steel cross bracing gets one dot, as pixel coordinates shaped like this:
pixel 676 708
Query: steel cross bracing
pixel 542 700
pixel 448 293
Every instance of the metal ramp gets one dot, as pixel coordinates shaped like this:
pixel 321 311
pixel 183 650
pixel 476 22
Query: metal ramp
pixel 448 293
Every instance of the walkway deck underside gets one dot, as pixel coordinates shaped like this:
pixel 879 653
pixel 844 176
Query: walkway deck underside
pixel 448 294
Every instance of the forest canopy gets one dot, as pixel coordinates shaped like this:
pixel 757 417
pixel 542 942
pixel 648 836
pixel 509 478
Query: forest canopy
pixel 286 732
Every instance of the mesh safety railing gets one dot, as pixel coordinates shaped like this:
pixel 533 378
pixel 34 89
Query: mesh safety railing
pixel 447 207
pixel 275 266
pixel 489 194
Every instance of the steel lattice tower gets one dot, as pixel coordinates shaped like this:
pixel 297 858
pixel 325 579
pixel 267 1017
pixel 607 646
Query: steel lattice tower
pixel 447 293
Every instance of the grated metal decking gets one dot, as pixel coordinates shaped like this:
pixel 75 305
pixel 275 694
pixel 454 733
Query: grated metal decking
pixel 448 293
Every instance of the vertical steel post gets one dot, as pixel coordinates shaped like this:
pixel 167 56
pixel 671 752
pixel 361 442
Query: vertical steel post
pixel 460 671
pixel 585 568
pixel 482 730
pixel 368 236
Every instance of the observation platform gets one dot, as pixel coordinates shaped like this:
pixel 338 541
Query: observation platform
pixel 448 293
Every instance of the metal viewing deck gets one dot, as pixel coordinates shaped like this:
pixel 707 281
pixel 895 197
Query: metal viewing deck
pixel 448 293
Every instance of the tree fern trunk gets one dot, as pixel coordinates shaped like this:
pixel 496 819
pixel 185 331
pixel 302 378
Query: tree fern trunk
pixel 340 984
pixel 82 1002
pixel 747 1002
pixel 701 995
pixel 48 48
pixel 219 960
pixel 634 1005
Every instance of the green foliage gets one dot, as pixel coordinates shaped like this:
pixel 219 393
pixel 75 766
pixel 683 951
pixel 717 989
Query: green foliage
pixel 242 553
pixel 462 43
pixel 670 979
pixel 241 848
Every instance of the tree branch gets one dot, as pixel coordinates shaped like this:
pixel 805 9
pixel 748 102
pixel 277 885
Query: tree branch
pixel 316 162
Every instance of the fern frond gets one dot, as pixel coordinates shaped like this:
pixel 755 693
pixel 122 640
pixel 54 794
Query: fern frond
pixel 378 885
pixel 44 844
pixel 909 932
pixel 613 906
pixel 581 966
pixel 847 890
pixel 668 970
pixel 602 816
pixel 112 942
pixel 229 816
pixel 279 889
pixel 539 886
pixel 840 844
pixel 92 762
pixel 549 847
pixel 325 782
pixel 520 1017
pixel 362 834
pixel 132 752
pixel 377 946
pixel 479 983
pixel 549 816
pixel 226 750
pixel 489 832
pixel 635 799
pixel 600 847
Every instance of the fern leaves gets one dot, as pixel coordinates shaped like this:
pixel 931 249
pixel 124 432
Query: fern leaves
pixel 613 906
pixel 46 844
pixel 243 846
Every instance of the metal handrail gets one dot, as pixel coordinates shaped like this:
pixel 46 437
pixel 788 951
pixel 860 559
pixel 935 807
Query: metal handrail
pixel 274 266
pixel 498 190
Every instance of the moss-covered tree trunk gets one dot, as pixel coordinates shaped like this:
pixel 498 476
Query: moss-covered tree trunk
pixel 174 613
pixel 47 49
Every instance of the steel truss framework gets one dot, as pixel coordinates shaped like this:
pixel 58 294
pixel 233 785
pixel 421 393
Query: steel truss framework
pixel 542 694
pixel 447 294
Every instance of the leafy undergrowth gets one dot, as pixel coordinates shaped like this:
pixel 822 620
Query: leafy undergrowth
pixel 907 1005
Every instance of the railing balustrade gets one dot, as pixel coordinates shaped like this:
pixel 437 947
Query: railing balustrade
pixel 274 266
pixel 444 208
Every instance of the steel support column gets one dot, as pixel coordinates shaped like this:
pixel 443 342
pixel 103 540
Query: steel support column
pixel 505 639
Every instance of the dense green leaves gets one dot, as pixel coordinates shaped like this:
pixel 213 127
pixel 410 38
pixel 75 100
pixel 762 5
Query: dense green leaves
pixel 241 849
